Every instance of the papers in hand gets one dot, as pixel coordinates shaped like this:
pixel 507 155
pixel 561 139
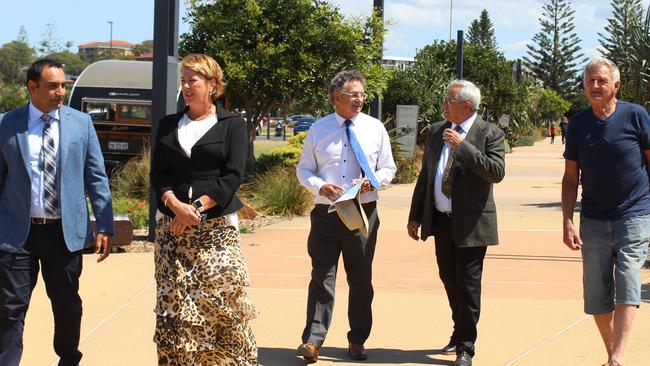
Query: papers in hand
pixel 349 209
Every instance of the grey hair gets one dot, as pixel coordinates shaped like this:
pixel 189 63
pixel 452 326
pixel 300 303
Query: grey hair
pixel 468 92
pixel 338 82
pixel 601 61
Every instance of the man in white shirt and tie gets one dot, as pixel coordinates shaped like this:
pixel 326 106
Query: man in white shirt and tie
pixel 340 150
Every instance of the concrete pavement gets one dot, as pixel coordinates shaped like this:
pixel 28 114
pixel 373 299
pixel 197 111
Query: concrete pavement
pixel 532 293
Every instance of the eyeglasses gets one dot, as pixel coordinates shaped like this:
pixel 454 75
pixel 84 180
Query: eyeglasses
pixel 448 101
pixel 354 95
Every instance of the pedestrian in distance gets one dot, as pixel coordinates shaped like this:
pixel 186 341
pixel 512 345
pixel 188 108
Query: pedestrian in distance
pixel 198 162
pixel 563 126
pixel 453 202
pixel 607 151
pixel 344 148
pixel 552 132
pixel 49 158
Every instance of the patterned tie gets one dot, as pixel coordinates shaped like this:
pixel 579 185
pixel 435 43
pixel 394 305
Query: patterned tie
pixel 48 165
pixel 361 157
pixel 447 176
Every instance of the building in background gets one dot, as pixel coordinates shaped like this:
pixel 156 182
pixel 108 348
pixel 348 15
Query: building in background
pixel 397 62
pixel 93 50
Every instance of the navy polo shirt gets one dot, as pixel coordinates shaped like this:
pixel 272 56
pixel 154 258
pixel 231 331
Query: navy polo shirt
pixel 610 155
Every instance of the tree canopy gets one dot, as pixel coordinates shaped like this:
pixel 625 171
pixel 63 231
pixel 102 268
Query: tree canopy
pixel 481 31
pixel 618 41
pixel 278 51
pixel 555 53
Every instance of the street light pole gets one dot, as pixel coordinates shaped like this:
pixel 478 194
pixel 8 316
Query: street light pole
pixel 110 44
pixel 451 12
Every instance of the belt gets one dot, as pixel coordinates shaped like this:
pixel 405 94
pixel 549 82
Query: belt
pixel 44 221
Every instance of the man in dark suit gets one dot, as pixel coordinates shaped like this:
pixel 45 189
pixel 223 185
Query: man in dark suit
pixel 453 201
pixel 49 158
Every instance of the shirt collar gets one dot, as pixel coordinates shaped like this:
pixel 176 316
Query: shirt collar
pixel 35 113
pixel 340 120
pixel 466 124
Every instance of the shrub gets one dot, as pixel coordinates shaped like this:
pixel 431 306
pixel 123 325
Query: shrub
pixel 406 172
pixel 526 140
pixel 286 156
pixel 132 179
pixel 278 192
pixel 137 209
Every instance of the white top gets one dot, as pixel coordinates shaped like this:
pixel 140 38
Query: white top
pixel 443 204
pixel 35 139
pixel 327 157
pixel 190 131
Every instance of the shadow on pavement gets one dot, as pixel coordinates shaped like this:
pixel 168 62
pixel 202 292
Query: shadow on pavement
pixel 287 357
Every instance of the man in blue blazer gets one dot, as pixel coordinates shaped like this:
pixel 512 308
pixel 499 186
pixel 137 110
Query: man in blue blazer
pixel 49 158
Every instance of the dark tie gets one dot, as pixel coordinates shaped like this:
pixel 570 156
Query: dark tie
pixel 361 157
pixel 48 164
pixel 447 175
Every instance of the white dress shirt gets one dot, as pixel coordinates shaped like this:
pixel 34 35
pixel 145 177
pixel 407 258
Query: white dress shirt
pixel 35 128
pixel 327 157
pixel 190 131
pixel 443 204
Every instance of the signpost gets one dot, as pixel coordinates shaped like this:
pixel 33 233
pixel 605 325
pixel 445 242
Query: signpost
pixel 407 128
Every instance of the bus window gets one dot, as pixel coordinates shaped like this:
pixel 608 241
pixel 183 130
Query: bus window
pixel 100 111
pixel 135 113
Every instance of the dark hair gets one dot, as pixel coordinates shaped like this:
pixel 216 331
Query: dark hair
pixel 35 70
pixel 338 82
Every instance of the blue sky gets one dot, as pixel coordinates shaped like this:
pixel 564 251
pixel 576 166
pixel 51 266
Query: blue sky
pixel 416 23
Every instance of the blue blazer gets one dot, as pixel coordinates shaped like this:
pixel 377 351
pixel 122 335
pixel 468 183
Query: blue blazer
pixel 80 170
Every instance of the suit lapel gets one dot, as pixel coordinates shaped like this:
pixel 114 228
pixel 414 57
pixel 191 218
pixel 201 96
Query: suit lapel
pixel 65 136
pixel 472 134
pixel 22 129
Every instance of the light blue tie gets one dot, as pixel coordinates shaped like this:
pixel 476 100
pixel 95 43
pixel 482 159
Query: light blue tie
pixel 361 157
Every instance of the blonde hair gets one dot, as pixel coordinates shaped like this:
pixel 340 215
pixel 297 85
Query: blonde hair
pixel 209 68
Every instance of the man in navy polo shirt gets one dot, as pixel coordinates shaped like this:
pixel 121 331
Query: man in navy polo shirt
pixel 607 150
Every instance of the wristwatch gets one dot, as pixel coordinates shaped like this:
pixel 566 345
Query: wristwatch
pixel 198 205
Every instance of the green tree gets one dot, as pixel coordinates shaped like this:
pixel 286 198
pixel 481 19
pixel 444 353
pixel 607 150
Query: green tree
pixel 12 96
pixel 14 57
pixel 278 51
pixel 489 70
pixel 481 31
pixel 50 43
pixel 72 62
pixel 555 53
pixel 617 40
pixel 144 47
pixel 423 85
pixel 547 106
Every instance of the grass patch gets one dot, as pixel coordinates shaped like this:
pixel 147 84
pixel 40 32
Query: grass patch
pixel 265 146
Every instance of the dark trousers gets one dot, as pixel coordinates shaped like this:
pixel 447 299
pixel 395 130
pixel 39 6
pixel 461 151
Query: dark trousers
pixel 328 238
pixel 460 270
pixel 45 248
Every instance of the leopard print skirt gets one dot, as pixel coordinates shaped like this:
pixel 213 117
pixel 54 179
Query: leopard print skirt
pixel 202 311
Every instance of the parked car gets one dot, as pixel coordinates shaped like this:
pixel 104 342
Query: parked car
pixel 295 118
pixel 303 124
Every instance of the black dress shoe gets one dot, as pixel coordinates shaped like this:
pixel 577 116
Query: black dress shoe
pixel 357 351
pixel 463 359
pixel 449 349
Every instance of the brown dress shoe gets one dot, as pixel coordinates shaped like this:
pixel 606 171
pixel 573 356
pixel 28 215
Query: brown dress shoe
pixel 308 351
pixel 357 352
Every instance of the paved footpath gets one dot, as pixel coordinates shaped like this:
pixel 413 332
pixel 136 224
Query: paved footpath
pixel 532 293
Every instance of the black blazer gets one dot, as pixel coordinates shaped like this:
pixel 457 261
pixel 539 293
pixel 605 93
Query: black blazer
pixel 480 162
pixel 216 167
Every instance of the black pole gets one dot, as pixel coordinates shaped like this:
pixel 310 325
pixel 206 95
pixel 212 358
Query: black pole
pixel 459 55
pixel 164 78
pixel 518 76
pixel 375 106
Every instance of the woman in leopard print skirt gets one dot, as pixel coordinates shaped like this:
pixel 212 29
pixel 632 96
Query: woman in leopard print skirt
pixel 199 157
